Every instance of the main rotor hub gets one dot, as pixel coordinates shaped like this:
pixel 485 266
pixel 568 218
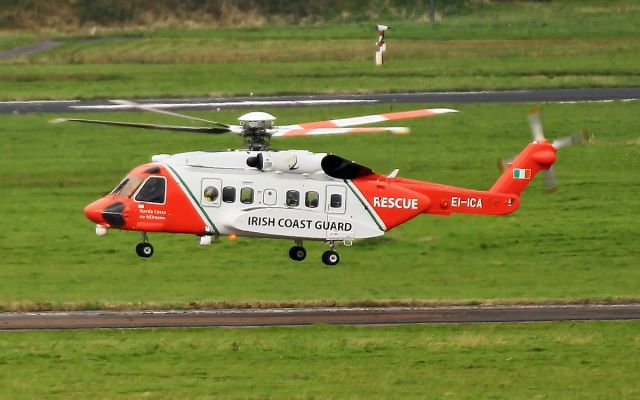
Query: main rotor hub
pixel 255 129
pixel 257 120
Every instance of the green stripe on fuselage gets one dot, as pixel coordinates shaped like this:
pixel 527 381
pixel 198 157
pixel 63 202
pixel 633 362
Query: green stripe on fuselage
pixel 215 229
pixel 365 205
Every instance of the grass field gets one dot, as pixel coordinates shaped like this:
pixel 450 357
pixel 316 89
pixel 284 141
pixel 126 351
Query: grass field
pixel 575 244
pixel 500 46
pixel 579 244
pixel 9 40
pixel 568 360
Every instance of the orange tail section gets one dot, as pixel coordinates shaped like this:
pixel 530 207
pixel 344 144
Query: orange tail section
pixel 534 158
pixel 397 200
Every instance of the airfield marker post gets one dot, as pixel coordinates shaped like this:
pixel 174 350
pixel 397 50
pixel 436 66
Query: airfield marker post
pixel 381 46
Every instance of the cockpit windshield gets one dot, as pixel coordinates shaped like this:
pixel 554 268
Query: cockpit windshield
pixel 128 186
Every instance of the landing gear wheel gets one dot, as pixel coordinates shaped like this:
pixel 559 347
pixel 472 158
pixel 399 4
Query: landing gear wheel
pixel 144 250
pixel 330 258
pixel 297 253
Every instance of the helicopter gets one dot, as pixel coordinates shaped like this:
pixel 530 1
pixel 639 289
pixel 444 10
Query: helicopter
pixel 293 194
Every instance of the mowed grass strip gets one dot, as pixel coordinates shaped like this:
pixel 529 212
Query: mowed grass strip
pixel 162 67
pixel 576 244
pixel 304 68
pixel 568 360
pixel 500 46
pixel 168 80
pixel 10 40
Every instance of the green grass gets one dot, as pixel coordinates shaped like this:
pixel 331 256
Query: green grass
pixel 562 19
pixel 565 19
pixel 498 46
pixel 578 243
pixel 157 80
pixel 565 360
pixel 9 40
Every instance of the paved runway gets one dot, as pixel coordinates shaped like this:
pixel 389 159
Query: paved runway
pixel 29 49
pixel 308 316
pixel 508 96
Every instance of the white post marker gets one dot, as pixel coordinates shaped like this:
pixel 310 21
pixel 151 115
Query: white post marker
pixel 381 46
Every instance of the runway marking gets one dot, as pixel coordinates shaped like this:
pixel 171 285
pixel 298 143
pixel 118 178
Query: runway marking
pixel 38 101
pixel 510 96
pixel 592 101
pixel 227 104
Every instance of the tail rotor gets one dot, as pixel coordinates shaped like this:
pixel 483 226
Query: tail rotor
pixel 535 123
pixel 537 132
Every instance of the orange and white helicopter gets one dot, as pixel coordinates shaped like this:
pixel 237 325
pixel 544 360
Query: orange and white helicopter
pixel 294 194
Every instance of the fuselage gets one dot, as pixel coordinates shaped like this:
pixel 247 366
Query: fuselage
pixel 218 193
pixel 293 194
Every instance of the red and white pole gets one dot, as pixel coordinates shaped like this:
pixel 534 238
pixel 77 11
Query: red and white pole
pixel 381 46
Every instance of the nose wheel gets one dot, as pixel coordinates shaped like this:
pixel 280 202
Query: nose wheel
pixel 297 252
pixel 144 248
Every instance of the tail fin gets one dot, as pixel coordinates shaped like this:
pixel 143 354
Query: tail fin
pixel 535 157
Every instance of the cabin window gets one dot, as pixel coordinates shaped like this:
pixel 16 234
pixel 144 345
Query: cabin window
pixel 211 194
pixel 228 194
pixel 246 195
pixel 293 198
pixel 153 190
pixel 336 200
pixel 311 199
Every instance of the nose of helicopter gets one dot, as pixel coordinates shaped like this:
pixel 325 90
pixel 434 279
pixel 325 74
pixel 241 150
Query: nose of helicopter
pixel 106 210
pixel 93 211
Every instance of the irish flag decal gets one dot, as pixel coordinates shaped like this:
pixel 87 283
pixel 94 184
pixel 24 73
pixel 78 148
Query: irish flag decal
pixel 521 173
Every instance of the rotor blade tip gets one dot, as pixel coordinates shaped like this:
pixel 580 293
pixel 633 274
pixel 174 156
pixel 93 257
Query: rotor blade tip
pixel 443 110
pixel 57 120
pixel 401 131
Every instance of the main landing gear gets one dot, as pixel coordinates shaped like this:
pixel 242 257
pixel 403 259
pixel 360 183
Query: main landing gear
pixel 144 248
pixel 297 252
pixel 329 257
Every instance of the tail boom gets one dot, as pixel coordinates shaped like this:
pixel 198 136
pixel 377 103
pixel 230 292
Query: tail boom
pixel 397 200
pixel 446 200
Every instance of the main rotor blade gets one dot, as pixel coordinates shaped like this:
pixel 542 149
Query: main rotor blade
pixel 370 119
pixel 166 112
pixel 196 129
pixel 337 131
pixel 535 122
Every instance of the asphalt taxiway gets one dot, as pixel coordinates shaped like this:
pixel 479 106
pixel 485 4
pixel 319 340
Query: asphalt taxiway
pixel 309 316
pixel 214 103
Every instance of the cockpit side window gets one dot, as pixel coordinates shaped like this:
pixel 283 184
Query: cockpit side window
pixel 153 190
pixel 128 186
